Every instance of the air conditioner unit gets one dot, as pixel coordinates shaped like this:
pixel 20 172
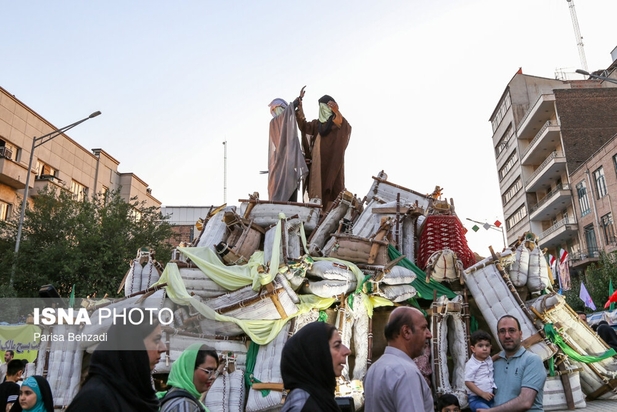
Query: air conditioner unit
pixel 6 152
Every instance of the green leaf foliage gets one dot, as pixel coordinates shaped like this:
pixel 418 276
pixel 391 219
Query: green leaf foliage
pixel 87 243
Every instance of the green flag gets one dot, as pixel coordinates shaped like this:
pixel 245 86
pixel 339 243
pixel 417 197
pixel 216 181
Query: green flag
pixel 610 293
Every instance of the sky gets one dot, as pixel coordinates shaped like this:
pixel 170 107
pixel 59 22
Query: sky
pixel 417 81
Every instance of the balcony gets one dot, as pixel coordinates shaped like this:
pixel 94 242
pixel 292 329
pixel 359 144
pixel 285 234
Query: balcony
pixel 542 111
pixel 558 234
pixel 549 171
pixel 552 204
pixel 545 141
pixel 584 258
pixel 12 173
pixel 43 181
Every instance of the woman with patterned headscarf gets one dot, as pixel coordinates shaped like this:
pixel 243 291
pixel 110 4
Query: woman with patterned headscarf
pixel 324 142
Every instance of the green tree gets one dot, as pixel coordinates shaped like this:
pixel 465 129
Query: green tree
pixel 598 275
pixel 87 243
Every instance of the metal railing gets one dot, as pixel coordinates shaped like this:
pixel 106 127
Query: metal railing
pixel 557 226
pixel 546 125
pixel 531 109
pixel 542 166
pixel 591 253
pixel 548 197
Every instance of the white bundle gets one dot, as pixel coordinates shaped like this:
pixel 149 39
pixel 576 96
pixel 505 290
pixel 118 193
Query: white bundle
pixel 538 278
pixel 226 393
pixel 216 229
pixel 268 370
pixel 360 336
pixel 64 367
pixel 519 269
pixel 198 283
pixel 141 277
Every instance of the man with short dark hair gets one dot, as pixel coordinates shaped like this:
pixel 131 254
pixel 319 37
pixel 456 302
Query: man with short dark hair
pixel 394 382
pixel 9 389
pixel 8 356
pixel 519 373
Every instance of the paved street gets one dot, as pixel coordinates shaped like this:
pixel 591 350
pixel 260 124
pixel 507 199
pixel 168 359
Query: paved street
pixel 598 406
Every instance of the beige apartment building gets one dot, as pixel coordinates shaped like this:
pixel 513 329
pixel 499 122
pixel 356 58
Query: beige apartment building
pixel 61 162
pixel 543 129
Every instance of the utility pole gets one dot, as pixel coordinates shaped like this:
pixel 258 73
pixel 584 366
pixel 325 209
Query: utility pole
pixel 225 171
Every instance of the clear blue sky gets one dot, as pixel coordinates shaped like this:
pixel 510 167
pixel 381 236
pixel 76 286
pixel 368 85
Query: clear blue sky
pixel 417 80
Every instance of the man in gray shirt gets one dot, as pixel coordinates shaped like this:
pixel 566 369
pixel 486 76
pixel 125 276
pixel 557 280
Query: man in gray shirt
pixel 519 373
pixel 394 382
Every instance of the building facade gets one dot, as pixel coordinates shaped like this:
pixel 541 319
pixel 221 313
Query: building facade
pixel 184 220
pixel 542 130
pixel 60 162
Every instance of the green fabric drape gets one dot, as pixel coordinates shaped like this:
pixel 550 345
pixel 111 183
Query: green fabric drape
pixel 425 290
pixel 553 335
pixel 251 360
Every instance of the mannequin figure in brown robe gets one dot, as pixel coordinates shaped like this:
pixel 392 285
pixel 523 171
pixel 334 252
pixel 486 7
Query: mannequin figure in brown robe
pixel 324 142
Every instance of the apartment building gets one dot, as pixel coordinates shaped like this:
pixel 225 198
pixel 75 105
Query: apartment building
pixel 60 162
pixel 542 130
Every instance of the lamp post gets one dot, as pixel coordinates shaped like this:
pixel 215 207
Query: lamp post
pixel 36 142
pixel 488 226
pixel 595 76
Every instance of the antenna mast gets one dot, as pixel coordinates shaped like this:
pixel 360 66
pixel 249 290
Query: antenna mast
pixel 577 35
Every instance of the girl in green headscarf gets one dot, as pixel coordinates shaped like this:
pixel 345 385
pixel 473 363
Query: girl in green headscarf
pixel 35 395
pixel 191 375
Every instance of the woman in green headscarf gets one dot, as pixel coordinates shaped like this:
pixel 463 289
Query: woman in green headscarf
pixel 191 375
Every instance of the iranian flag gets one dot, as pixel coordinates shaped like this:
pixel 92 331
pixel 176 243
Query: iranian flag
pixel 563 255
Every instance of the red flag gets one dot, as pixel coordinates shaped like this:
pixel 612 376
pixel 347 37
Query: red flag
pixel 611 299
pixel 563 255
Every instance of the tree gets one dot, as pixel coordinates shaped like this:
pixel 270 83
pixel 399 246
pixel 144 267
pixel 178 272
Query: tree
pixel 598 277
pixel 86 243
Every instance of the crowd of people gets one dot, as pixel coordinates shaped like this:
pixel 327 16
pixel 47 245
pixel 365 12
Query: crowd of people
pixel 119 375
pixel 32 394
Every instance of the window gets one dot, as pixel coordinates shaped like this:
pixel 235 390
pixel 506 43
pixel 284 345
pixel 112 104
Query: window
pixel 80 192
pixel 615 163
pixel 43 170
pixel 5 210
pixel 507 166
pixel 501 112
pixel 8 151
pixel 583 201
pixel 598 177
pixel 516 217
pixel 608 229
pixel 512 190
pixel 590 238
pixel 504 141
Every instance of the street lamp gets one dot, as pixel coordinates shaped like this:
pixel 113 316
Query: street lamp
pixel 595 76
pixel 36 142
